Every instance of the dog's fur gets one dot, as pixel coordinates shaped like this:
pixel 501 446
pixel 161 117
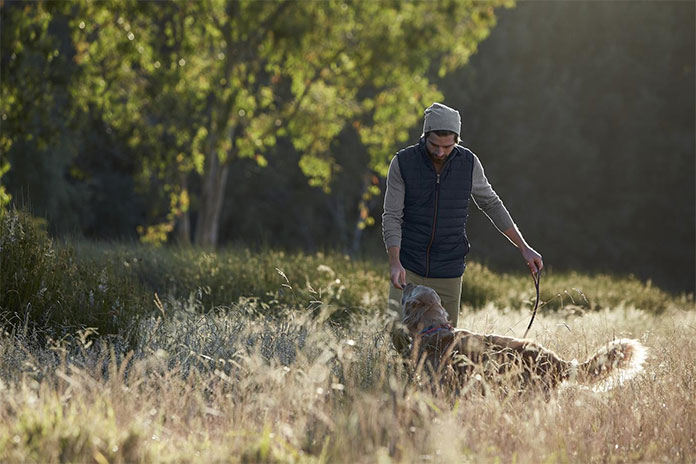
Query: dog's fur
pixel 501 359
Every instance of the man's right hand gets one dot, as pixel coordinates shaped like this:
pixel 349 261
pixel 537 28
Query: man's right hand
pixel 398 275
pixel 397 271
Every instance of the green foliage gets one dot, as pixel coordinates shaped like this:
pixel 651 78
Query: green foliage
pixel 4 196
pixel 565 291
pixel 47 287
pixel 187 82
pixel 54 287
pixel 41 126
pixel 230 277
pixel 56 156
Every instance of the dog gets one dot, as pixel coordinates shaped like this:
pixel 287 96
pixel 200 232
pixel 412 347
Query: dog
pixel 506 361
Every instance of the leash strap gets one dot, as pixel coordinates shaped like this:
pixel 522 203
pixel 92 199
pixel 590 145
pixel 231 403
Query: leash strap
pixel 537 278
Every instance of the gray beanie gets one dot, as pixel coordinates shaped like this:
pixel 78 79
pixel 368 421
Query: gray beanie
pixel 441 117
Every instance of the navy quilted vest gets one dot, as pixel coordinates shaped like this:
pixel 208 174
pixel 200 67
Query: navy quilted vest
pixel 433 231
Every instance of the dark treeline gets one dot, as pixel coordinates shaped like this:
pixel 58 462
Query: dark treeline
pixel 583 116
pixel 581 112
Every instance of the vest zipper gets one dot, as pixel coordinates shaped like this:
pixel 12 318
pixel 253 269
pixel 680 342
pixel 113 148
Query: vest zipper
pixel 432 234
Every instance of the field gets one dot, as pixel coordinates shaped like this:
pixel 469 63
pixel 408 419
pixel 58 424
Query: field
pixel 121 353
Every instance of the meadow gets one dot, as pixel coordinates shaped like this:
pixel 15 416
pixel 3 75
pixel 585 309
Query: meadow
pixel 114 352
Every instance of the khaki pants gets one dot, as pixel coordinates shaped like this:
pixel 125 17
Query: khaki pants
pixel 450 291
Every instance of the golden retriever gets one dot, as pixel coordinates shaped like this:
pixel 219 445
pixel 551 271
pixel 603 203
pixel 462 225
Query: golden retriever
pixel 448 351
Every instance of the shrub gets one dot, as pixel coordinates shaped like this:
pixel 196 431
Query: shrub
pixel 48 289
pixel 62 287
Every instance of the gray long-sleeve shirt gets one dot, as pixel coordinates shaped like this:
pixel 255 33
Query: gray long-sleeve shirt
pixel 482 193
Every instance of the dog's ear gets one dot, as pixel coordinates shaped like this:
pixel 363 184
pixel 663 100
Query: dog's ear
pixel 411 306
pixel 413 311
pixel 406 292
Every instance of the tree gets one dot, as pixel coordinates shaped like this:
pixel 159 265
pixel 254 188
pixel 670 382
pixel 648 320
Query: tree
pixel 197 85
pixel 56 155
pixel 39 123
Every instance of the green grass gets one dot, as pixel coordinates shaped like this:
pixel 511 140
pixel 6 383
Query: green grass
pixel 123 353
pixel 75 285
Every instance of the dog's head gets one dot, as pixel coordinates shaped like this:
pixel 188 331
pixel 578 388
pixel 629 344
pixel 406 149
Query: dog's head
pixel 422 308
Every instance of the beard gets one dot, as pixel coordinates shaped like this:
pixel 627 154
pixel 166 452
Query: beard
pixel 435 159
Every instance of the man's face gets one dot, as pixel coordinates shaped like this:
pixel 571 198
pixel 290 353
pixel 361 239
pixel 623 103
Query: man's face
pixel 438 147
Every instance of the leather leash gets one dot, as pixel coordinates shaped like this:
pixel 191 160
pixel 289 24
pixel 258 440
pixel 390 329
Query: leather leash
pixel 537 278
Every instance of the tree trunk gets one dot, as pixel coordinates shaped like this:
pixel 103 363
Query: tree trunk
pixel 212 194
pixel 357 236
pixel 183 222
pixel 183 229
pixel 337 211
pixel 365 205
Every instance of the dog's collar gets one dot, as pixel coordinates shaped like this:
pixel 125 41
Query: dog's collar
pixel 435 328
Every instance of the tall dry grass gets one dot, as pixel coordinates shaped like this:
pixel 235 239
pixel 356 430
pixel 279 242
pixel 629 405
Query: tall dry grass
pixel 242 387
pixel 272 357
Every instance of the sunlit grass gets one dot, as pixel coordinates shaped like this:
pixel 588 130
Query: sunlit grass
pixel 233 387
pixel 271 357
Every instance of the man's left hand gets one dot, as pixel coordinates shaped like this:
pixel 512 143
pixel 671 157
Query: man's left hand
pixel 534 261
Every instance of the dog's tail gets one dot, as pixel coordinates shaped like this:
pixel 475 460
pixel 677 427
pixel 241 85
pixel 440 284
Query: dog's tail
pixel 614 363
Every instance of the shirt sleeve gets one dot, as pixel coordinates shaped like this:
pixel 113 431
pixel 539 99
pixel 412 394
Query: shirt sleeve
pixel 487 200
pixel 393 206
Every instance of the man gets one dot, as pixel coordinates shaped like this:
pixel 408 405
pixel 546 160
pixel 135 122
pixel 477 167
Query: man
pixel 426 205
